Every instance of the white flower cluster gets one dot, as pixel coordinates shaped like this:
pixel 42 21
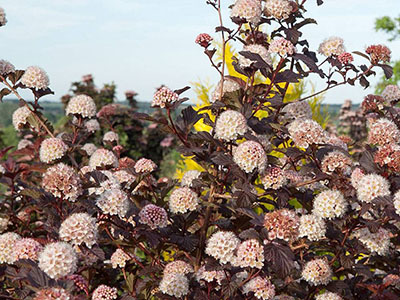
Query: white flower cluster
pixel 79 228
pixel 7 245
pixel 371 186
pixel 178 266
pixel 257 49
pixel 328 296
pixel 210 276
pixel 113 202
pixel 249 156
pixel 183 200
pixel 282 46
pixel 329 204
pixel 164 96
pixel 58 260
pixel 3 19
pixel 4 222
pixel 378 242
pixel 305 132
pixel 188 177
pixel 119 258
pixel 336 161
pixel 249 253
pixel 250 10
pixel 273 178
pixel 104 292
pixel 20 117
pixel 396 202
pixel 230 125
pixel 261 287
pixel 27 248
pixel 333 46
pixel 5 66
pixel 297 110
pixel 124 178
pixel 312 227
pixel 92 125
pixel 174 281
pixel 62 181
pixel 103 158
pixel 383 132
pixel 279 9
pixel 111 137
pixel 230 86
pixel 145 165
pixel 111 182
pixel 52 149
pixel 35 78
pixel 222 245
pixel 81 105
pixel 390 93
pixel 89 148
pixel 317 272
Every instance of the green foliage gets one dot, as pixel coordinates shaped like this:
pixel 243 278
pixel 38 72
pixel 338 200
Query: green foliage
pixel 389 25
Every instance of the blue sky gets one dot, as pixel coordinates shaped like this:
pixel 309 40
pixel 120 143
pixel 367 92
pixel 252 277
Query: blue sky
pixel 140 44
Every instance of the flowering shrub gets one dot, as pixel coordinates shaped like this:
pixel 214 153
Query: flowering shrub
pixel 279 208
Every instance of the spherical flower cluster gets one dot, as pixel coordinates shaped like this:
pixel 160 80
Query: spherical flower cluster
pixel 104 292
pixel 119 258
pixel 396 202
pixel 145 165
pixel 312 227
pixel 4 222
pixel 378 242
pixel 282 224
pixel 177 267
pixel 261 287
pixel 328 296
pixel 189 176
pixel 81 105
pixel 7 247
pixel 176 285
pixel 388 155
pixel 391 93
pixel 356 176
pixel 102 158
pixel 183 200
pixel 58 259
pixel 20 117
pixel 164 96
pixel 210 276
pixel 230 86
pixel 22 144
pixel 329 204
pixel 282 46
pixel 111 137
pixel 336 161
pixel 273 178
pixel 203 39
pixel 317 272
pixel 124 178
pixel 305 132
pixel 92 125
pixel 62 181
pixel 222 245
pixel 279 9
pixel 79 228
pixel 153 216
pixel 371 186
pixel 52 149
pixel 5 66
pixel 230 125
pixel 257 49
pixel 113 202
pixel 297 110
pixel 379 53
pixel 89 148
pixel 249 10
pixel 250 254
pixel 345 58
pixel 3 19
pixel 52 294
pixel 35 78
pixel 249 156
pixel 383 132
pixel 110 182
pixel 27 248
pixel 332 47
